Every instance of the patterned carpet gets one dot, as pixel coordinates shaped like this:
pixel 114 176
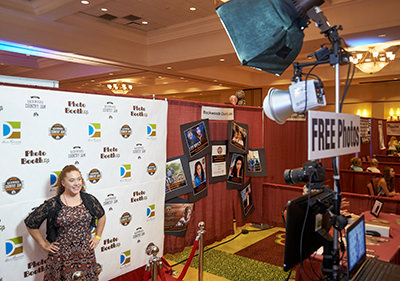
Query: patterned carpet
pixel 269 250
pixel 259 258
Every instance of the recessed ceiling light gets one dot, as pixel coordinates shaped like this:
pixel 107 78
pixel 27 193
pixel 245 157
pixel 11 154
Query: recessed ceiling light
pixel 215 80
pixel 169 67
pixel 192 8
pixel 182 78
pixel 110 73
pixel 220 84
pixel 221 59
pixel 145 22
pixel 104 9
pixel 160 76
pixel 382 35
pixel 396 78
pixel 85 2
pixel 92 80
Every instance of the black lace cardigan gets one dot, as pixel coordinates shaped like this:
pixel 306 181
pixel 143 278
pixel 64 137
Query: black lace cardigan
pixel 50 209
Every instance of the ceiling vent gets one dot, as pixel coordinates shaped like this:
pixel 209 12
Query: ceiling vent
pixel 108 17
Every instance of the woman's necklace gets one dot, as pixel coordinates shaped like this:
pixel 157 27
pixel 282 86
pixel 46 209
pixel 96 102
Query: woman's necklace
pixel 69 205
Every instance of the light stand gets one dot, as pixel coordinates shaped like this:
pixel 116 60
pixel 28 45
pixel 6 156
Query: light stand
pixel 336 56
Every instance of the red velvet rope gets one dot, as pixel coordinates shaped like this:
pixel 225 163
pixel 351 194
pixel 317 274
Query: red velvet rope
pixel 189 261
pixel 161 273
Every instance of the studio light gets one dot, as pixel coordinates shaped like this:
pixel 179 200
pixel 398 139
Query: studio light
pixel 266 34
pixel 279 105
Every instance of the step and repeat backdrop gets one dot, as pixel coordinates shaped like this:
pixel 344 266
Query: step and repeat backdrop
pixel 118 144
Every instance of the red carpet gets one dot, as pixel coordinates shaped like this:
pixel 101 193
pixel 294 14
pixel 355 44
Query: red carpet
pixel 269 250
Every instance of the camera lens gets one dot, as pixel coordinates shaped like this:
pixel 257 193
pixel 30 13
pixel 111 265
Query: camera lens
pixel 293 176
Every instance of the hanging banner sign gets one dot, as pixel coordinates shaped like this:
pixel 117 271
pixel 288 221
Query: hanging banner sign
pixel 393 129
pixel 332 134
pixel 216 113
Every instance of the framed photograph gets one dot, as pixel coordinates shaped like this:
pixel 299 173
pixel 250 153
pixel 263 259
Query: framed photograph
pixel 199 179
pixel 178 213
pixel 217 163
pixel 177 177
pixel 246 200
pixel 196 138
pixel 238 136
pixel 236 171
pixel 256 166
pixel 377 208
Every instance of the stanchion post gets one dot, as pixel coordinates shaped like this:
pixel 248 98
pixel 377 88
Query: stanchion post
pixel 200 233
pixel 154 260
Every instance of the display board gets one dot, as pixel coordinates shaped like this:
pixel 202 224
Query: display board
pixel 119 145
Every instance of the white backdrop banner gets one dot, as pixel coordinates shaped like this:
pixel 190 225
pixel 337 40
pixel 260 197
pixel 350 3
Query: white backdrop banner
pixel 119 145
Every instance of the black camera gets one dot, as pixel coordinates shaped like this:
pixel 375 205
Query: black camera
pixel 312 172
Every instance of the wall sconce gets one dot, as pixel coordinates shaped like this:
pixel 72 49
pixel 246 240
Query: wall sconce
pixel 392 116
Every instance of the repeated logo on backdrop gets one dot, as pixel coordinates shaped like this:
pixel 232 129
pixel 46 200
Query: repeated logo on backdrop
pixel 94 131
pixel 35 104
pixel 151 131
pixel 94 175
pixel 57 131
pixel 138 111
pixel 125 218
pixel 126 131
pixel 12 131
pixel 76 107
pixel 14 246
pixel 125 258
pixel 125 171
pixel 34 157
pixel 13 185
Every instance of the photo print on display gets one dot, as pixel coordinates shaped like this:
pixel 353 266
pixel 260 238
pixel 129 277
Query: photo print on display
pixel 177 177
pixel 238 137
pixel 256 164
pixel 195 138
pixel 199 179
pixel 236 171
pixel 246 200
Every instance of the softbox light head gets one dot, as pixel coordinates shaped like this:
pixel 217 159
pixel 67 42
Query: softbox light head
pixel 266 34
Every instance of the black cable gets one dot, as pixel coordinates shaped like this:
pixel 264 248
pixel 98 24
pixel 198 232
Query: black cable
pixel 244 231
pixel 290 273
pixel 305 88
pixel 302 234
pixel 347 84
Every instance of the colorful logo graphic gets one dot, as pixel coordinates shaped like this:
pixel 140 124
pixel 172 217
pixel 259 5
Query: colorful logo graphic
pixel 151 130
pixel 13 185
pixel 57 131
pixel 125 171
pixel 126 131
pixel 12 130
pixel 94 175
pixel 125 257
pixel 94 130
pixel 151 211
pixel 53 178
pixel 151 169
pixel 125 219
pixel 14 246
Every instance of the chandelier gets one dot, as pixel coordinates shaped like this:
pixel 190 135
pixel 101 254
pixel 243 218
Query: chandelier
pixel 119 87
pixel 373 58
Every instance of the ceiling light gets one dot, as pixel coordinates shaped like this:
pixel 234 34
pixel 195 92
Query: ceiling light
pixel 145 22
pixel 119 87
pixel 85 2
pixel 382 35
pixel 192 9
pixel 104 9
pixel 221 59
pixel 169 67
pixel 373 59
